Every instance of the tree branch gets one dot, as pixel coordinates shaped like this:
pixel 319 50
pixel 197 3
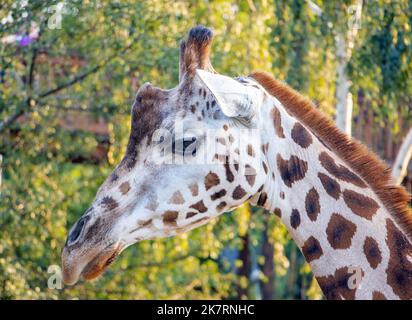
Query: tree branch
pixel 84 75
pixel 31 70
pixel 402 159
pixel 21 109
pixel 24 107
pixel 71 82
pixel 29 102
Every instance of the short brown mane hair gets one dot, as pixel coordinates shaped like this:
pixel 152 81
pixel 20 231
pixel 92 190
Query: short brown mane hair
pixel 373 170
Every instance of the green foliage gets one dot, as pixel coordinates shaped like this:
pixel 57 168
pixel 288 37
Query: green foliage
pixel 93 65
pixel 382 63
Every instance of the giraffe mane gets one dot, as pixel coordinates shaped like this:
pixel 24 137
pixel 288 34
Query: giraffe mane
pixel 372 170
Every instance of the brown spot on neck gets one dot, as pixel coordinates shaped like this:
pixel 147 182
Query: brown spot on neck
pixel 277 122
pixel 218 195
pixel 295 219
pixel 170 218
pixel 211 180
pixel 238 193
pixel 361 205
pixel 312 249
pixel 301 136
pixel 372 252
pixel 199 206
pixel 332 187
pixel 312 204
pixel 340 172
pixel 340 232
pixel 291 170
pixel 177 198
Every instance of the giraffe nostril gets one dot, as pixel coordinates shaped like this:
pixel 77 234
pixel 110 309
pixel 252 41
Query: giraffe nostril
pixel 77 230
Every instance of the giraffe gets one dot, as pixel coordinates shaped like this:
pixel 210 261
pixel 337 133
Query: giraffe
pixel 212 143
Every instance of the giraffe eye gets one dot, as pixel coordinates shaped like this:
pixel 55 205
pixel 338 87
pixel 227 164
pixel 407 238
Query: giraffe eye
pixel 185 146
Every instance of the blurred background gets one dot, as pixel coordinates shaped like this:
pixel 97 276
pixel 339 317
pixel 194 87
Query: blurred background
pixel 69 71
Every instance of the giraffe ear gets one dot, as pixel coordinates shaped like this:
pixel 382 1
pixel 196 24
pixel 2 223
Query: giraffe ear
pixel 195 52
pixel 234 99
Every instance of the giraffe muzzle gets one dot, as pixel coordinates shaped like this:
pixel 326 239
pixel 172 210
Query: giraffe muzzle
pixel 90 266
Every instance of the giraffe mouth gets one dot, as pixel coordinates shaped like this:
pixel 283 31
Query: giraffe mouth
pixel 73 269
pixel 100 263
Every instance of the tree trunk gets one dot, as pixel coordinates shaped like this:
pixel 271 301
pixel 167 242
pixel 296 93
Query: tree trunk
pixel 293 272
pixel 244 271
pixel 268 267
pixel 402 159
pixel 359 120
pixel 344 45
pixel 344 102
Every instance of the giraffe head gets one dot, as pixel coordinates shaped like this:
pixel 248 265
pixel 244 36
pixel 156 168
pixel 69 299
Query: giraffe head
pixel 193 153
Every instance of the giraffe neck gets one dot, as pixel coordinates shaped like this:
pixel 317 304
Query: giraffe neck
pixel 352 243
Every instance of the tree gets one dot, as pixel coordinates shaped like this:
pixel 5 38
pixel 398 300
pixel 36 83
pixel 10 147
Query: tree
pixel 345 42
pixel 402 159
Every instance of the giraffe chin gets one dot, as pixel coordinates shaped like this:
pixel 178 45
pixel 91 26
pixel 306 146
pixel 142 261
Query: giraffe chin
pixel 100 263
